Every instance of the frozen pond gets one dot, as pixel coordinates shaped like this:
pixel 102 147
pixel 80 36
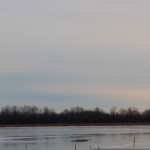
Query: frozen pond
pixel 65 138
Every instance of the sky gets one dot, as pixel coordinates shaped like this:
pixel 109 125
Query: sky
pixel 66 53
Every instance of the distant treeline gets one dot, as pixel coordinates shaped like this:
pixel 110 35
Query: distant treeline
pixel 33 115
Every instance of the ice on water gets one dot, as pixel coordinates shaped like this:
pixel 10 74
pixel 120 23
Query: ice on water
pixel 60 138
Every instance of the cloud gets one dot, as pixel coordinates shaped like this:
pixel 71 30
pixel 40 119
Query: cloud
pixel 135 93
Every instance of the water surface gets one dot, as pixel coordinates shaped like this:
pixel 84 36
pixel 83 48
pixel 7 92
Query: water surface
pixel 64 138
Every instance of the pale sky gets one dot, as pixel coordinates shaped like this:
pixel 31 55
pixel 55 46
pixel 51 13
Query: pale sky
pixel 66 53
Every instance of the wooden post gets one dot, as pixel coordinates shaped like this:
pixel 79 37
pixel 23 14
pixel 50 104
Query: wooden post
pixel 134 142
pixel 90 148
pixel 75 147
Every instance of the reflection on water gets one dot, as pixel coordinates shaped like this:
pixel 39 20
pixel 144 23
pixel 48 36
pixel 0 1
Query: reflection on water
pixel 61 138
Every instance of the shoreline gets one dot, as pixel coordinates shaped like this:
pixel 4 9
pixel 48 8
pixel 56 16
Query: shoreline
pixel 73 124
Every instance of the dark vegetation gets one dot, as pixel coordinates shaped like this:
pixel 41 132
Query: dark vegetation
pixel 10 115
